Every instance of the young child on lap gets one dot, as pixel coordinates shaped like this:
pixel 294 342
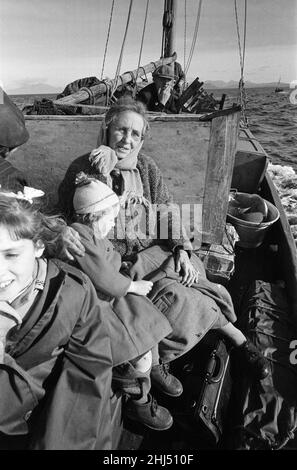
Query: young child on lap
pixel 96 207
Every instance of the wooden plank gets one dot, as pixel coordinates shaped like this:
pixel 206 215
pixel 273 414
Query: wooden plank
pixel 249 171
pixel 52 146
pixel 54 143
pixel 150 116
pixel 191 91
pixel 248 142
pixel 61 118
pixel 221 154
pixel 174 148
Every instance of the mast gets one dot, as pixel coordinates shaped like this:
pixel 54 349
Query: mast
pixel 169 28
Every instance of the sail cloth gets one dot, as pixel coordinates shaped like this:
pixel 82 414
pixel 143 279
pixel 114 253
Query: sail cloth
pixel 73 87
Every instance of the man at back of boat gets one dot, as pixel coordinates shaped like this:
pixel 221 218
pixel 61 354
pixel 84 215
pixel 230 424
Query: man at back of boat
pixel 160 95
pixel 13 133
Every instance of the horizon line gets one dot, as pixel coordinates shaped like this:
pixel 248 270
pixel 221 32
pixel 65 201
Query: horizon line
pixel 268 84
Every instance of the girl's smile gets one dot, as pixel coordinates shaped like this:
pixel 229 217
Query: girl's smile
pixel 17 264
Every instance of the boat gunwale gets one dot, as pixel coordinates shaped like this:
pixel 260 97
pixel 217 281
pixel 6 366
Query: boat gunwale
pixel 100 117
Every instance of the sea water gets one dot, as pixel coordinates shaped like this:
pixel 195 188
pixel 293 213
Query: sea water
pixel 272 118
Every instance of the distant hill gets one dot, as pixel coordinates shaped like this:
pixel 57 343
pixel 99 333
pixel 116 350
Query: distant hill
pixel 43 88
pixel 234 84
pixel 35 89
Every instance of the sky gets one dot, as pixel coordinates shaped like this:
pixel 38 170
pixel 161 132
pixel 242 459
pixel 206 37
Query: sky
pixel 57 41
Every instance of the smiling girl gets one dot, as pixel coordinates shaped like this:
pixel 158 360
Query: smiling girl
pixel 55 357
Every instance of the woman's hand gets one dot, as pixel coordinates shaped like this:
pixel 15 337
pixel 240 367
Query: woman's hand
pixel 103 159
pixel 140 287
pixel 71 244
pixel 185 267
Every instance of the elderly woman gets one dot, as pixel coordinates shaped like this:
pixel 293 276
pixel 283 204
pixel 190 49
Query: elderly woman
pixel 181 291
pixel 118 161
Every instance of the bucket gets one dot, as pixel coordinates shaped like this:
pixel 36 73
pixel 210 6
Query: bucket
pixel 251 234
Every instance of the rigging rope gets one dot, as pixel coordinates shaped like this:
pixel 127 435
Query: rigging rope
pixel 242 93
pixel 115 84
pixel 185 38
pixel 141 45
pixel 163 34
pixel 194 38
pixel 107 38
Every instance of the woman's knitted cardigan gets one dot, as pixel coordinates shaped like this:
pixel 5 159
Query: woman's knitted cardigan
pixel 154 190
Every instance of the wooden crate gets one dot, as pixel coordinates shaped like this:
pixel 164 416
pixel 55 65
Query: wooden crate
pixel 196 158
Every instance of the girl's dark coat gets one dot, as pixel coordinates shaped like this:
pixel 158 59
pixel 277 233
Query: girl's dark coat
pixel 56 378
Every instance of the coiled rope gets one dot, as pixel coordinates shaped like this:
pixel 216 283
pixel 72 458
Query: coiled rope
pixel 242 93
pixel 107 39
